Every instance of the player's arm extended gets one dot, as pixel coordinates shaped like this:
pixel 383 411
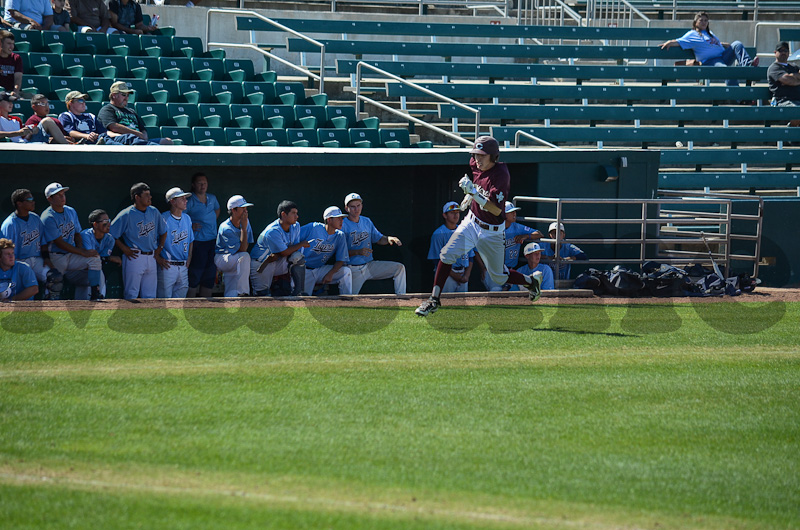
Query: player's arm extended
pixel 389 240
pixel 26 293
pixel 66 247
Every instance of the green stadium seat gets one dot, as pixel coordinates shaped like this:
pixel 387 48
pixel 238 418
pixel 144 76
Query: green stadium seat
pixel 317 99
pixel 176 68
pixel 247 116
pixel 92 43
pixel 215 114
pixel 302 137
pixel 110 66
pixel 97 88
pixel 209 136
pixel 290 93
pixel 163 90
pixel 60 86
pixel 143 67
pixel 394 138
pixel 227 92
pixel 259 93
pixel 156 45
pixel 207 69
pixel 240 136
pixel 44 63
pixel 59 42
pixel 195 91
pixel 94 107
pixel 139 87
pixel 340 116
pixel 124 44
pixel 271 137
pixel 153 114
pixel 267 76
pixel 333 137
pixel 183 114
pixel 35 84
pixel 278 116
pixel 193 47
pixel 309 116
pixel 370 122
pixel 27 40
pixel 78 65
pixel 361 137
pixel 179 135
pixel 239 70
pixel 56 107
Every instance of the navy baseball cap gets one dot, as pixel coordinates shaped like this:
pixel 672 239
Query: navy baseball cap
pixel 485 145
pixel 781 46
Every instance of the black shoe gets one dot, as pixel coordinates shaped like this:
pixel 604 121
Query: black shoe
pixel 428 306
pixel 96 296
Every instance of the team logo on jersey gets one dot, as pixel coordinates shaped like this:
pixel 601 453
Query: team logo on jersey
pixel 500 197
pixel 29 237
pixel 357 238
pixel 145 228
pixel 66 230
pixel 178 237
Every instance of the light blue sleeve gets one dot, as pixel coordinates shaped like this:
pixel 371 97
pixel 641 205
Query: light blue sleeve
pixel 275 240
pixel 547 279
pixel 87 239
pixel 305 231
pixel 9 229
pixel 342 253
pixel 119 223
pixel 51 230
pixel 437 242
pixel 27 276
pixel 161 223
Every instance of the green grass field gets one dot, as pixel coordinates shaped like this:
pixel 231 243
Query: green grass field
pixel 574 416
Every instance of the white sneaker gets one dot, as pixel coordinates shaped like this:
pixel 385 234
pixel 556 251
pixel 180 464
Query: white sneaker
pixel 428 306
pixel 535 287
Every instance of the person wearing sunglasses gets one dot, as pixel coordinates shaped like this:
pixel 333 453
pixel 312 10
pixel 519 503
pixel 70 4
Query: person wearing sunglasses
pixel 83 127
pixel 124 126
pixel 97 237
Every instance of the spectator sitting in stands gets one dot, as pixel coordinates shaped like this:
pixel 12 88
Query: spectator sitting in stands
pixel 784 80
pixel 41 106
pixel 61 18
pixel 124 126
pixel 708 50
pixel 10 65
pixel 82 126
pixel 11 126
pixel 90 16
pixel 126 17
pixel 29 14
pixel 17 281
pixel 568 252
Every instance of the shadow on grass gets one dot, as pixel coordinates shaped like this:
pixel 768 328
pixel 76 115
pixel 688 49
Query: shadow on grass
pixel 359 321
pixel 264 321
pixel 736 318
pixel 156 319
pixel 649 319
pixel 27 322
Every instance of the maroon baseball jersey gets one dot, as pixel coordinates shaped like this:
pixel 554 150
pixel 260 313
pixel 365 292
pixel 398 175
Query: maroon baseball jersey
pixel 494 185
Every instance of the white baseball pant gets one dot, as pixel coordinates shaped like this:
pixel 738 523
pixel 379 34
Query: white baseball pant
pixel 452 286
pixel 263 280
pixel 379 270
pixel 173 282
pixel 39 268
pixel 489 242
pixel 139 276
pixel 75 262
pixel 343 278
pixel 236 272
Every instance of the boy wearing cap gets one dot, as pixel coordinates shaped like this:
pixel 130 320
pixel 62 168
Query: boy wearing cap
pixel 326 240
pixel 140 232
pixel 173 264
pixel 533 254
pixel 516 235
pixel 11 126
pixel 458 281
pixel 278 251
pixel 17 281
pixel 10 65
pixel 566 252
pixel 784 80
pixel 62 232
pixel 80 125
pixel 483 228
pixel 360 235
pixel 124 126
pixel 97 237
pixel 41 107
pixel 231 258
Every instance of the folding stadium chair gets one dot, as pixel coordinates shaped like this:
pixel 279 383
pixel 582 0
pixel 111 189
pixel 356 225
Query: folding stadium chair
pixel 215 114
pixel 302 137
pixel 360 137
pixel 333 137
pixel 176 68
pixel 340 116
pixel 153 114
pixel 309 116
pixel 124 44
pixel 179 135
pixel 110 66
pixel 44 63
pixel 240 137
pixel 271 137
pixel 291 93
pixel 27 40
pixel 259 93
pixel 143 67
pixel 156 45
pixel 239 70
pixel 97 88
pixel 207 69
pixel 78 65
pixel 92 43
pixel 278 116
pixel 247 116
pixel 227 92
pixel 209 136
pixel 195 91
pixel 183 114
pixel 60 86
pixel 59 42
pixel 394 138
pixel 163 90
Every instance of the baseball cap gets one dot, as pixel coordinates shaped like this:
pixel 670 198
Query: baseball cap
pixel 53 188
pixel 237 201
pixel 174 193
pixel 782 45
pixel 333 211
pixel 511 208
pixel 120 87
pixel 75 94
pixel 450 206
pixel 352 197
pixel 485 145
pixel 555 225
pixel 530 248
pixel 7 96
pixel 38 97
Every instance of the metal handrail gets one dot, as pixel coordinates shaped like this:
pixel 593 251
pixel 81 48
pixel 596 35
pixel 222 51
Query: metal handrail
pixel 777 25
pixel 534 138
pixel 253 45
pixel 360 97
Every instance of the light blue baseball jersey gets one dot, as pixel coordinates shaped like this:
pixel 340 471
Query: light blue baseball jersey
pixel 64 224
pixel 362 234
pixel 228 237
pixel 439 239
pixel 205 214
pixel 139 229
pixel 20 277
pixel 323 245
pixel 511 259
pixel 103 246
pixel 547 276
pixel 274 239
pixel 179 237
pixel 568 250
pixel 26 234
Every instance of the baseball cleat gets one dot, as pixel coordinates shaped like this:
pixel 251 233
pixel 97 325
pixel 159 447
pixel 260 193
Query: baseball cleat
pixel 535 287
pixel 428 306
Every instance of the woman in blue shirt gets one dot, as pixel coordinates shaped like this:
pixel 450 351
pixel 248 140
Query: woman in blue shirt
pixel 203 209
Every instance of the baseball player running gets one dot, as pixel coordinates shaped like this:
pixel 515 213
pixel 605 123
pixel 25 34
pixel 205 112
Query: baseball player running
pixel 279 250
pixel 458 281
pixel 173 271
pixel 140 232
pixel 516 235
pixel 97 237
pixel 62 232
pixel 361 234
pixel 327 240
pixel 483 227
pixel 231 258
